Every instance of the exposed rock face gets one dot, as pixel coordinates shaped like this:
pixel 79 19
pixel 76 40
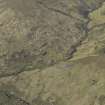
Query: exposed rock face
pixel 52 52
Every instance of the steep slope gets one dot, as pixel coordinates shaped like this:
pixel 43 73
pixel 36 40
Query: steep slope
pixel 34 34
pixel 38 34
pixel 94 43
pixel 52 52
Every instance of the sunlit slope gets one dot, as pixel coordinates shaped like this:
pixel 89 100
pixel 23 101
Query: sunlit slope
pixel 95 42
pixel 77 82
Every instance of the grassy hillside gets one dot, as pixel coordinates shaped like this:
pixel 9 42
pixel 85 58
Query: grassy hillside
pixel 78 82
pixel 52 52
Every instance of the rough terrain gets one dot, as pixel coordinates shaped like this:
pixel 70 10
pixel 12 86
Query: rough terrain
pixel 52 52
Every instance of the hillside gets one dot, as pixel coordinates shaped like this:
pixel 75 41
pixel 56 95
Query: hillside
pixel 52 52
